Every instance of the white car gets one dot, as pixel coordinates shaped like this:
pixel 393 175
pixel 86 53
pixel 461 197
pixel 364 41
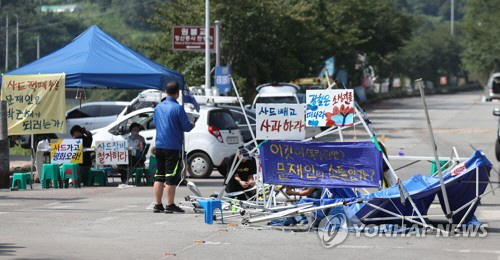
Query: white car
pixel 278 93
pixel 212 142
pixel 91 115
pixel 493 87
pixel 283 93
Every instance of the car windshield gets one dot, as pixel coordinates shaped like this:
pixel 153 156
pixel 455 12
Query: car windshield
pixel 139 105
pixel 277 100
pixel 221 119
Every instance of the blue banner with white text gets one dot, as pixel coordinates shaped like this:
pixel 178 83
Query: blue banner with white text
pixel 321 164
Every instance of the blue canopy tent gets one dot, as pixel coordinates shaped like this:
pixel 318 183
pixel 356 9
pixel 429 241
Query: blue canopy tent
pixel 95 59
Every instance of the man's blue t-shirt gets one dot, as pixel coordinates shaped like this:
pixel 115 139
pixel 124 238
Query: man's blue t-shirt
pixel 171 121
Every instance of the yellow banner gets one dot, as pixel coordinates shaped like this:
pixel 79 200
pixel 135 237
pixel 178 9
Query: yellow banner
pixel 35 103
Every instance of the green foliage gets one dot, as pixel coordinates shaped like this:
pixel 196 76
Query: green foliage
pixel 482 37
pixel 54 30
pixel 430 54
pixel 266 41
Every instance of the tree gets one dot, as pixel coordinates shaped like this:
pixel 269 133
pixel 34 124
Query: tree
pixel 430 54
pixel 482 35
pixel 266 41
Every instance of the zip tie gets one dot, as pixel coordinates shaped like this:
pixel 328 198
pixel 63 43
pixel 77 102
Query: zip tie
pixel 374 140
pixel 263 142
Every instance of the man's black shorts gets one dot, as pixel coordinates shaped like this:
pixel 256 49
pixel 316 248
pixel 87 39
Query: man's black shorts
pixel 169 166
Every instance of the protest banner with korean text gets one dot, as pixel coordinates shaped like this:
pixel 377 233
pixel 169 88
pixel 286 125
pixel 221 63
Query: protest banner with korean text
pixel 321 164
pixel 35 103
pixel 66 151
pixel 280 122
pixel 111 152
pixel 330 107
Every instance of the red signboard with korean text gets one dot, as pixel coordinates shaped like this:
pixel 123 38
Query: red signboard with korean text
pixel 191 38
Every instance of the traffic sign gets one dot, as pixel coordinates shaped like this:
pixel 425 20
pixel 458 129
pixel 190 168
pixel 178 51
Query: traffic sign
pixel 191 38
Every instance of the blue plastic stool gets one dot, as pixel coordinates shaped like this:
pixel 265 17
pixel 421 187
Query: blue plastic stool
pixel 208 207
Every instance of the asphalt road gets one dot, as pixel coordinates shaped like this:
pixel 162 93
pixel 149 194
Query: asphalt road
pixel 112 223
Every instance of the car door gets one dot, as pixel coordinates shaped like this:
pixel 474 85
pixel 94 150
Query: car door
pixel 107 115
pixel 83 117
pixel 240 121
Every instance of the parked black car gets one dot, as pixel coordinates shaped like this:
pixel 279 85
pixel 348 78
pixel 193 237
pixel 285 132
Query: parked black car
pixel 239 118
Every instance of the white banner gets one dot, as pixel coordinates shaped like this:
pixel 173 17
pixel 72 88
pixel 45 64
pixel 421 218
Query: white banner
pixel 66 151
pixel 280 122
pixel 111 152
pixel 330 107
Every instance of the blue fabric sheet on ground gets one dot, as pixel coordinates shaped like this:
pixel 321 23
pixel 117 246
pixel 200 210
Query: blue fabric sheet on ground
pixel 459 182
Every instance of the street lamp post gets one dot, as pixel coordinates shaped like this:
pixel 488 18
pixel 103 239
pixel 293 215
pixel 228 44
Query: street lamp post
pixel 7 43
pixel 17 41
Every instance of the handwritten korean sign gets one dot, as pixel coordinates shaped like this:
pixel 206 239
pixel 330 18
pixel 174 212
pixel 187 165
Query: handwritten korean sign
pixel 35 103
pixel 321 164
pixel 66 151
pixel 330 107
pixel 280 121
pixel 111 153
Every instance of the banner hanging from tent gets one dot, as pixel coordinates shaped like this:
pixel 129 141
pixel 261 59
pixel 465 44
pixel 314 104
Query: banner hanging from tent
pixel 321 164
pixel 35 103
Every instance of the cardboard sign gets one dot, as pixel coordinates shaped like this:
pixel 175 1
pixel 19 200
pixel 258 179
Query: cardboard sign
pixel 280 122
pixel 330 107
pixel 35 103
pixel 111 152
pixel 66 151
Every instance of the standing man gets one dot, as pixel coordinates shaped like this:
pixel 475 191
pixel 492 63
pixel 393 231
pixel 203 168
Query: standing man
pixel 171 121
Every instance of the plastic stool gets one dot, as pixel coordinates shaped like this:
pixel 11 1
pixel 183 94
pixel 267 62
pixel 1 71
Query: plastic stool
pixel 434 167
pixel 208 207
pixel 138 175
pixel 99 177
pixel 70 171
pixel 152 169
pixel 22 178
pixel 50 172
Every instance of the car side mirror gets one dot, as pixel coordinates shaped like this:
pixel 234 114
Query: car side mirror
pixel 247 106
pixel 121 129
pixel 496 111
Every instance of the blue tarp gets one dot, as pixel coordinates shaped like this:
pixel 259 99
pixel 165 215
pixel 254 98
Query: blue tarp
pixel 460 190
pixel 95 59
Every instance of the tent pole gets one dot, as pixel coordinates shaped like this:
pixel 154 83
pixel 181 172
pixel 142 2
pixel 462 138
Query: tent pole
pixel 387 161
pixel 434 149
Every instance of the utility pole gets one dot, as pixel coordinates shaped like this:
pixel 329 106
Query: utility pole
pixel 207 47
pixel 452 17
pixel 17 41
pixel 38 47
pixel 7 43
pixel 217 43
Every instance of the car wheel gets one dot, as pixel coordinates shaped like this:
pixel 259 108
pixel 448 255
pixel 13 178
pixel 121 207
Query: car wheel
pixel 497 149
pixel 200 165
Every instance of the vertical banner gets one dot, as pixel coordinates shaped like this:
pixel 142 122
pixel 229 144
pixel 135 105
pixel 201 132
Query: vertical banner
pixel 222 81
pixel 280 121
pixel 111 152
pixel 321 164
pixel 330 107
pixel 35 103
pixel 66 151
